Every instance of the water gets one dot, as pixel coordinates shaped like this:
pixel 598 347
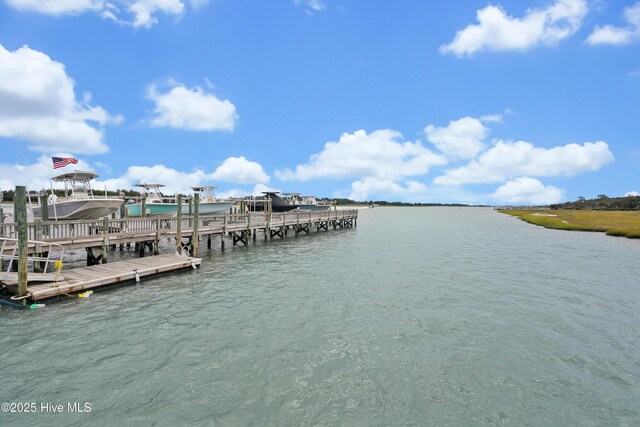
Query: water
pixel 440 316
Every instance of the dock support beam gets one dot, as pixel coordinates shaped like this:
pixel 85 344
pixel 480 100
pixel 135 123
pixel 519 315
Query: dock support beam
pixel 20 213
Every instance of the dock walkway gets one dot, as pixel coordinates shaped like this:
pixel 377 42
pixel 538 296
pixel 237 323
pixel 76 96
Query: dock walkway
pixel 84 278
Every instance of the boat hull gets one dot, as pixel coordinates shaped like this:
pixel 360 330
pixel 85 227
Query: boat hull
pixel 314 208
pixel 154 209
pixel 206 208
pixel 80 209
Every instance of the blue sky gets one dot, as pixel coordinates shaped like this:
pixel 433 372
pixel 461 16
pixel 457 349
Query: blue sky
pixel 509 102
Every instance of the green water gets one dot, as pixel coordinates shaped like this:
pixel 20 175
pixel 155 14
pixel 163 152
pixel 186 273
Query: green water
pixel 420 316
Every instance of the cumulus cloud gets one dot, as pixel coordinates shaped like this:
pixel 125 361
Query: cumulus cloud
pixel 137 13
pixel 35 176
pixel 192 109
pixel 461 139
pixel 380 154
pixel 529 191
pixel 38 104
pixel 384 188
pixel 510 159
pixel 240 170
pixel 497 31
pixel 617 35
pixel 632 194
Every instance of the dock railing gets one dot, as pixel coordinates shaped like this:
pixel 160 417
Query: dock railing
pixel 83 233
pixel 43 253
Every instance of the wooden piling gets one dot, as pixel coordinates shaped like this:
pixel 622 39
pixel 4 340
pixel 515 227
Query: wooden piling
pixel 1 234
pixel 196 223
pixel 20 215
pixel 37 266
pixel 105 240
pixel 179 225
pixel 44 207
pixel 156 241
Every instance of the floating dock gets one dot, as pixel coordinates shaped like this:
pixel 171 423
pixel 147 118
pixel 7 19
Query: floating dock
pixel 85 278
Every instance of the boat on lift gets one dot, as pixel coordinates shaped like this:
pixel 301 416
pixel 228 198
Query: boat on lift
pixel 78 201
pixel 308 203
pixel 155 203
pixel 208 203
pixel 278 204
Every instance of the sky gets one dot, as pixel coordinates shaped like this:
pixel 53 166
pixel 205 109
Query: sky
pixel 508 102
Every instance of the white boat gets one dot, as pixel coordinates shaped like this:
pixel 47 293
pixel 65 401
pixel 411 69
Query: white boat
pixel 208 203
pixel 309 203
pixel 79 201
pixel 155 203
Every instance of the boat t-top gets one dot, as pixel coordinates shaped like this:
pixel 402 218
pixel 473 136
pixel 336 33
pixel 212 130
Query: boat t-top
pixel 78 201
pixel 208 203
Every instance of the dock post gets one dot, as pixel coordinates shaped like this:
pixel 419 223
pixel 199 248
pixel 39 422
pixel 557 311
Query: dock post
pixel 143 207
pixel 190 211
pixel 196 220
pixel 105 240
pixel 1 234
pixel 37 266
pixel 20 215
pixel 156 241
pixel 224 231
pixel 44 207
pixel 179 225
pixel 123 214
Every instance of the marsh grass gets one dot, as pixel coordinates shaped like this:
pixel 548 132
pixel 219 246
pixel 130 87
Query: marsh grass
pixel 614 223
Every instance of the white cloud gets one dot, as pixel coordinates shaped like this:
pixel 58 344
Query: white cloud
pixel 58 7
pixel 510 159
pixel 632 193
pixel 35 176
pixel 497 31
pixel 38 104
pixel 137 13
pixel 379 154
pixel 191 109
pixel 384 188
pixel 240 170
pixel 617 35
pixel 311 5
pixel 461 139
pixel 525 190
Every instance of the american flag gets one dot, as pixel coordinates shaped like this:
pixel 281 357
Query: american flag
pixel 59 162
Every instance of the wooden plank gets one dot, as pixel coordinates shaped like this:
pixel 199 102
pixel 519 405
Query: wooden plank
pixel 125 271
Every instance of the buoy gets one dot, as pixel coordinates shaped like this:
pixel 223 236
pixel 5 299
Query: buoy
pixel 85 294
pixel 34 306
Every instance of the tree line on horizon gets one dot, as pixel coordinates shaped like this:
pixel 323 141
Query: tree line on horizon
pixel 602 202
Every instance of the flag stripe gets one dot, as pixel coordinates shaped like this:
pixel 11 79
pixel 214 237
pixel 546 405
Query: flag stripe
pixel 59 162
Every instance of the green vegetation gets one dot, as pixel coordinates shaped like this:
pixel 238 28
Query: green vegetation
pixel 614 223
pixel 602 202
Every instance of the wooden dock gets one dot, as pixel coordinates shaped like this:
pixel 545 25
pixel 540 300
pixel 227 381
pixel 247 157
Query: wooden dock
pixel 96 233
pixel 25 243
pixel 84 278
